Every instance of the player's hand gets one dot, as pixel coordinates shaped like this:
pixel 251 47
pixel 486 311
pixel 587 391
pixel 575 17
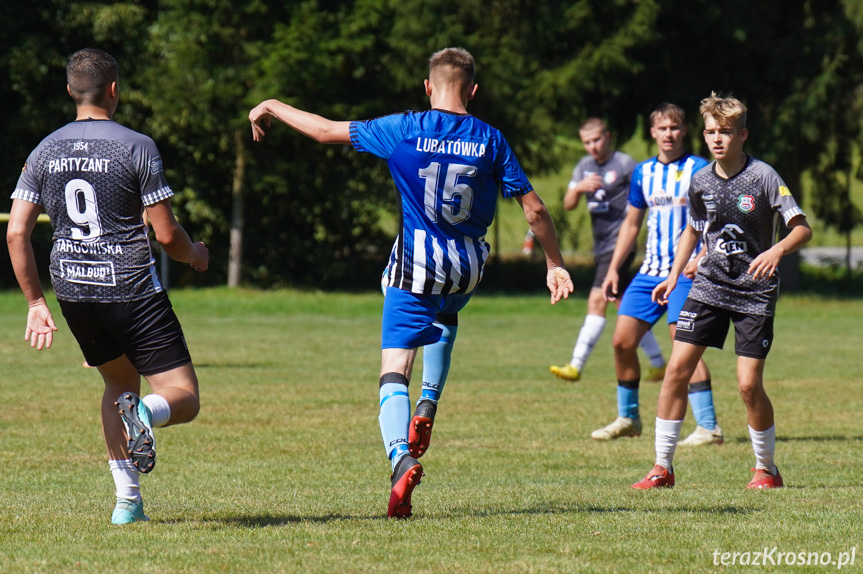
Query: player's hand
pixel 590 184
pixel 259 116
pixel 691 268
pixel 609 285
pixel 40 326
pixel 766 264
pixel 559 283
pixel 202 260
pixel 663 290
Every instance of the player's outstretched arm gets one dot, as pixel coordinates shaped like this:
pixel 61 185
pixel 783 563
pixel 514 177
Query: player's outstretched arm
pixel 766 263
pixel 557 278
pixel 40 324
pixel 316 127
pixel 174 239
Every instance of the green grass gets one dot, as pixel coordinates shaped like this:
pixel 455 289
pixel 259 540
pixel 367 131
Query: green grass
pixel 284 469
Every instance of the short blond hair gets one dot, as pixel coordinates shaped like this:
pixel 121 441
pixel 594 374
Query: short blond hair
pixel 453 66
pixel 727 110
pixel 593 124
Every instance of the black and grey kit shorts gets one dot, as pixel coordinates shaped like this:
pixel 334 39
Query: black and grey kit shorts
pixel 624 273
pixel 147 331
pixel 707 326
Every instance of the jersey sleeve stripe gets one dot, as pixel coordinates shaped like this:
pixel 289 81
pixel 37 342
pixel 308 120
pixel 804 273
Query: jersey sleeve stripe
pixel 27 195
pixel 792 213
pixel 157 196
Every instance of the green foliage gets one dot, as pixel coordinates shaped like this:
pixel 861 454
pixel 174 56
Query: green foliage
pixel 316 215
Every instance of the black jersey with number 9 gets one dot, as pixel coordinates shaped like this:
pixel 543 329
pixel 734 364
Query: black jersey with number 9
pixel 94 178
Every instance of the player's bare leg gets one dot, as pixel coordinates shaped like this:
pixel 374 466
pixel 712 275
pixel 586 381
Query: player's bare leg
pixel 120 378
pixel 762 429
pixel 707 430
pixel 179 387
pixel 627 335
pixel 670 412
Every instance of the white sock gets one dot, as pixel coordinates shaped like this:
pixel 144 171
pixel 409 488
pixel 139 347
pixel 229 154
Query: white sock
pixel 159 409
pixel 667 435
pixel 125 479
pixel 590 333
pixel 764 445
pixel 651 348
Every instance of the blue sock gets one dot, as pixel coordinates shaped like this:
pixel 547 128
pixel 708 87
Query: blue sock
pixel 701 400
pixel 395 415
pixel 627 398
pixel 436 361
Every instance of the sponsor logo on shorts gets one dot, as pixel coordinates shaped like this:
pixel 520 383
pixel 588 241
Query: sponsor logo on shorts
pixel 765 343
pixel 88 272
pixel 689 314
pixel 156 165
pixel 745 203
pixel 685 325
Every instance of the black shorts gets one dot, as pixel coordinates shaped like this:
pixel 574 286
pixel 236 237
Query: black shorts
pixel 146 331
pixel 707 326
pixel 624 272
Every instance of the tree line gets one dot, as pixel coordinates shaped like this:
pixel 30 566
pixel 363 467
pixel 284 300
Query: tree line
pixel 292 212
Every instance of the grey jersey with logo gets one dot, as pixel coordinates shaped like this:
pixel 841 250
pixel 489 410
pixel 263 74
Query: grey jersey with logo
pixel 738 218
pixel 607 205
pixel 94 178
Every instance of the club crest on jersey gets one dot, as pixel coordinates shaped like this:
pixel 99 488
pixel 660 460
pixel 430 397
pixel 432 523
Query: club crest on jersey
pixel 745 203
pixel 678 175
pixel 610 177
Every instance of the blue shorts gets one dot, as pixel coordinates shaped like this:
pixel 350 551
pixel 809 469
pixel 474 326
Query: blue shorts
pixel 636 299
pixel 408 319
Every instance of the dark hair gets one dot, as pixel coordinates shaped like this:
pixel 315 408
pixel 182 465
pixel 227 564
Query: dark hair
pixel 88 73
pixel 670 111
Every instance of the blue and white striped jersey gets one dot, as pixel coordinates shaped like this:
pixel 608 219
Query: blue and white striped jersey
pixel 663 190
pixel 448 169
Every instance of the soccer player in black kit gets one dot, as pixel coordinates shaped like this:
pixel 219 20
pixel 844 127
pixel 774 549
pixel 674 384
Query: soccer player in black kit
pixel 95 178
pixel 735 203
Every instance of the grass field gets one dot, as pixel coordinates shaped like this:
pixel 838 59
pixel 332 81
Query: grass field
pixel 284 470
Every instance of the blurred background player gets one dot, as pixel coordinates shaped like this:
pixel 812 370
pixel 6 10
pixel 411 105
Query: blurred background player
pixel 94 178
pixel 448 167
pixel 734 204
pixel 659 187
pixel 603 177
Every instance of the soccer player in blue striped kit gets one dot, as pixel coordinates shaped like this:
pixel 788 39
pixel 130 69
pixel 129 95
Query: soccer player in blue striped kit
pixel 659 187
pixel 448 167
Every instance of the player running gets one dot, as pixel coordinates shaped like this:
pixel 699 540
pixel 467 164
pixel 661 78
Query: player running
pixel 448 167
pixel 94 178
pixel 735 203
pixel 659 187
